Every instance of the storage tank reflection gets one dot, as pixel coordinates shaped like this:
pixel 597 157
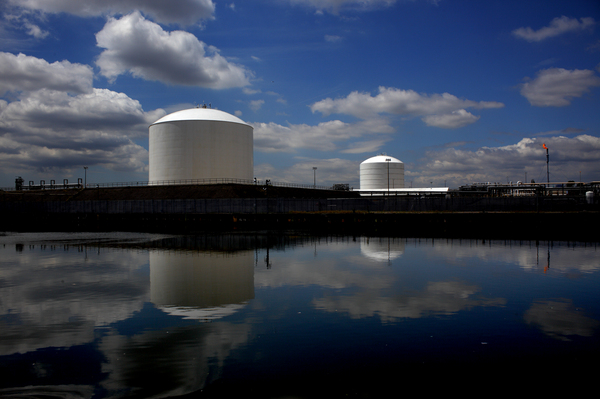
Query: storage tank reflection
pixel 201 285
pixel 382 249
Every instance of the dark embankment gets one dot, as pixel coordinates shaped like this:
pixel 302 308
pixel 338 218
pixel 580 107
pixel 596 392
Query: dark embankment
pixel 244 208
pixel 209 191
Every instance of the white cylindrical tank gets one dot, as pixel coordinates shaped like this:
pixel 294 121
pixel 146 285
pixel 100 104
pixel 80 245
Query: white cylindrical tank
pixel 381 172
pixel 200 143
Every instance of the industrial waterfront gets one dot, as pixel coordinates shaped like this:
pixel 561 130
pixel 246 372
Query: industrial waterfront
pixel 205 282
pixel 201 180
pixel 567 214
pixel 111 315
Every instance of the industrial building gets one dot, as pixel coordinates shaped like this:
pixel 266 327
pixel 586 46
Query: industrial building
pixel 384 175
pixel 203 153
pixel 200 145
pixel 381 172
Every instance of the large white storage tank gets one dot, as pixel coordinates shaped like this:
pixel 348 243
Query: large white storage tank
pixel 200 143
pixel 381 172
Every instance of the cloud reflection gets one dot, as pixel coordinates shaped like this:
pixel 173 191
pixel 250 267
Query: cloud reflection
pixel 146 318
pixel 55 296
pixel 560 319
pixel 438 298
pixel 168 362
pixel 558 256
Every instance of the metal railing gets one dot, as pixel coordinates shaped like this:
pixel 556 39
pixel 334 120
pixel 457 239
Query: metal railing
pixel 199 182
pixel 257 182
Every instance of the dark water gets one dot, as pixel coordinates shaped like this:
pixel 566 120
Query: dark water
pixel 139 315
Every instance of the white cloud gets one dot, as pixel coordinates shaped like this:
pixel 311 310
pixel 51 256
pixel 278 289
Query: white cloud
pixel 255 105
pixel 181 11
pixel 441 110
pixel 19 20
pixel 557 27
pixel 329 171
pixel 335 6
pixel 25 73
pixel 35 30
pixel 58 113
pixel 134 44
pixel 326 136
pixel 46 131
pixel 556 87
pixel 362 147
pixel 568 157
pixel 333 38
pixel 456 119
pixel 21 159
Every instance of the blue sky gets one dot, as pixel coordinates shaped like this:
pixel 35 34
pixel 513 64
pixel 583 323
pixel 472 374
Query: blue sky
pixel 460 91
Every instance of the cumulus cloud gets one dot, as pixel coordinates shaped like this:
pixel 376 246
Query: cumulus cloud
pixel 60 113
pixel 558 26
pixel 569 156
pixel 181 11
pixel 25 73
pixel 141 47
pixel 326 136
pixel 556 87
pixel 48 130
pixel 56 121
pixel 440 110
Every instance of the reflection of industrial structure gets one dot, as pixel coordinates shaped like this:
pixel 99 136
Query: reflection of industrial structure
pixel 200 143
pixel 201 285
pixel 382 249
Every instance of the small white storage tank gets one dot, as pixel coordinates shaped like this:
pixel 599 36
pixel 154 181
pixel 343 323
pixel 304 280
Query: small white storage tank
pixel 381 172
pixel 200 143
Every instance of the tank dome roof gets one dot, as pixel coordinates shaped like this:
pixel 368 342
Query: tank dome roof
pixel 200 114
pixel 382 158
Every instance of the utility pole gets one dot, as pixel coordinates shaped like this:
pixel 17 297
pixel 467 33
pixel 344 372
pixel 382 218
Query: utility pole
pixel 315 177
pixel 547 163
pixel 388 160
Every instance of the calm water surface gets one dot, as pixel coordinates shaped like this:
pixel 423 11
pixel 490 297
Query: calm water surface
pixel 139 315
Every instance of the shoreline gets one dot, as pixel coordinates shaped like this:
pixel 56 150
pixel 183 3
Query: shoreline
pixel 200 209
pixel 563 226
